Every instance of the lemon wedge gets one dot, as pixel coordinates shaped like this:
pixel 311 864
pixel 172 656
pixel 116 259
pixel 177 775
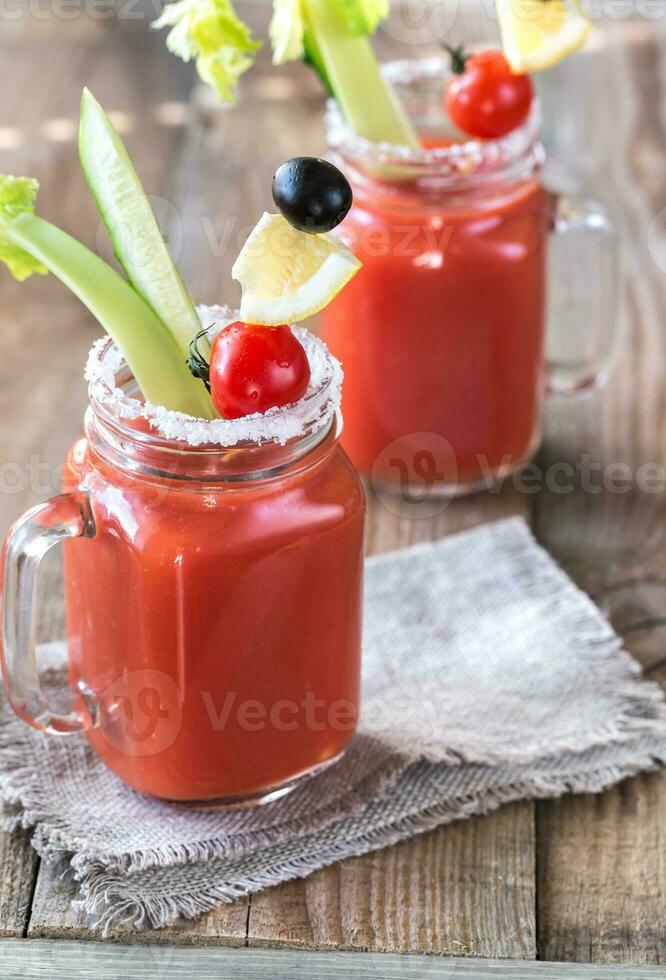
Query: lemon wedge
pixel 537 34
pixel 287 275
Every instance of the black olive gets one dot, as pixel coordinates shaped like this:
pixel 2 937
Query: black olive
pixel 311 194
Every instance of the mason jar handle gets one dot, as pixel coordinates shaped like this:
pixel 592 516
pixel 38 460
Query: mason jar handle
pixel 584 344
pixel 28 541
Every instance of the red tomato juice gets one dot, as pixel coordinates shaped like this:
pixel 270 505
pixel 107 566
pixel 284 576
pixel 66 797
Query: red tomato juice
pixel 441 333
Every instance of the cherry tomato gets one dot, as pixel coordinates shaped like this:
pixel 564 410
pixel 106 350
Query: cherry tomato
pixel 255 368
pixel 484 98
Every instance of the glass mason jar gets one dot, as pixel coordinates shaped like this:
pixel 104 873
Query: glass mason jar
pixel 442 332
pixel 213 595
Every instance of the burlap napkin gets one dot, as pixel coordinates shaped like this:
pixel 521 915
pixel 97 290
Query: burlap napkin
pixel 488 677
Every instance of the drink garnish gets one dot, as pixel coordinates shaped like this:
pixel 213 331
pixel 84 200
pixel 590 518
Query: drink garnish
pixel 211 33
pixel 330 35
pixel 484 98
pixel 287 275
pixel 251 369
pixel 312 194
pixel 255 368
pixel 288 269
pixel 538 34
pixel 333 37
pixel 28 245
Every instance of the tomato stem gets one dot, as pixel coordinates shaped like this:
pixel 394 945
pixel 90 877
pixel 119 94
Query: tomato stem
pixel 197 363
pixel 458 57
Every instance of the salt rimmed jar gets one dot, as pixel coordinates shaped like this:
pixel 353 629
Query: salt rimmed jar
pixel 213 592
pixel 442 332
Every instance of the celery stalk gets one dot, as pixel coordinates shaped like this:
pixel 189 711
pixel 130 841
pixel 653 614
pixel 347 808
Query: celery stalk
pixel 312 56
pixel 367 100
pixel 28 244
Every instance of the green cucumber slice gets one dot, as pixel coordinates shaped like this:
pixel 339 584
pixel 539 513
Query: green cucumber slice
pixel 135 235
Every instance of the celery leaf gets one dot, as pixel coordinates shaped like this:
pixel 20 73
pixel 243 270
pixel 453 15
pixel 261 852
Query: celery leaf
pixel 17 196
pixel 211 33
pixel 287 30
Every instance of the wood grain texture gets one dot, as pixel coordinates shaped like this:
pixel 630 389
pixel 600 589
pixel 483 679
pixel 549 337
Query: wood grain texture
pixel 18 867
pixel 55 915
pixel 42 960
pixel 602 864
pixel 601 872
pixel 463 890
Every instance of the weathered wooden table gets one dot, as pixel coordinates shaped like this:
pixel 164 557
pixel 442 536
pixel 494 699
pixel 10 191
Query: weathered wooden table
pixel 579 879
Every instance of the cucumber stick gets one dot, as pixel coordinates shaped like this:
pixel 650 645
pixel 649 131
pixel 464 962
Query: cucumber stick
pixel 135 235
pixel 148 347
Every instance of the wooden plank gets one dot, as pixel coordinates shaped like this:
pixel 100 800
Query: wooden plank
pixel 40 960
pixel 18 865
pixel 56 915
pixel 602 869
pixel 466 889
pixel 600 860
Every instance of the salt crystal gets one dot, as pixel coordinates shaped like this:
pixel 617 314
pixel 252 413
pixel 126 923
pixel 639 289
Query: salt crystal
pixel 308 415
